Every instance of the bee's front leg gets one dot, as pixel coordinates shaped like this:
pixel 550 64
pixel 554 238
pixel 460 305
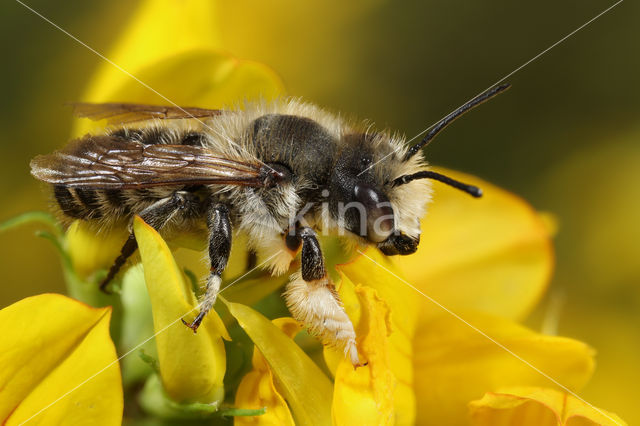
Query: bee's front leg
pixel 312 298
pixel 219 227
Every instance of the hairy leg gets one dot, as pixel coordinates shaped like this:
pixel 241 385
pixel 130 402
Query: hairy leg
pixel 312 299
pixel 219 227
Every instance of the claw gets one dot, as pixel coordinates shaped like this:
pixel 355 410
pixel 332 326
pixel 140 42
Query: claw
pixel 364 364
pixel 104 284
pixel 352 353
pixel 105 289
pixel 196 322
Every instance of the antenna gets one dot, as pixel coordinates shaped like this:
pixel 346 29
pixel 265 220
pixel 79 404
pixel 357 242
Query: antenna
pixel 452 116
pixel 474 191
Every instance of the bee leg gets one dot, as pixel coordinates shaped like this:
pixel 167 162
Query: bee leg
pixel 312 298
pixel 157 215
pixel 219 249
pixel 129 247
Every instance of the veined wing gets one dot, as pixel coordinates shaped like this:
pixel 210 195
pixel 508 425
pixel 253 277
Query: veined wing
pixel 109 162
pixel 123 113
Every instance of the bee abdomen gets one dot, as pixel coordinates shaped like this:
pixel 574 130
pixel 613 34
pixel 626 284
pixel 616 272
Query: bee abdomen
pixel 88 197
pixel 89 203
pixel 68 202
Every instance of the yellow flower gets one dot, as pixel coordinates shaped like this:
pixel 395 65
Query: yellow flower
pixel 303 385
pixel 366 395
pixel 384 314
pixel 85 255
pixel 257 389
pixel 537 407
pixel 377 393
pixel 173 52
pixel 192 366
pixel 455 364
pixel 492 254
pixel 486 261
pixel 421 366
pixel 426 364
pixel 58 363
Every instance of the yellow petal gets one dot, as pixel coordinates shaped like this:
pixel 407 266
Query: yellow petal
pixel 202 78
pixel 288 326
pixel 90 251
pixel 174 53
pixel 157 30
pixel 192 366
pixel 491 254
pixel 209 79
pixel 577 413
pixel 258 389
pixel 455 364
pixel 251 291
pixel 305 387
pixel 374 270
pixel 50 345
pixel 365 395
pixel 528 406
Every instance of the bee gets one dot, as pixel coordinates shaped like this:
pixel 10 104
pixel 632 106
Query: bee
pixel 277 172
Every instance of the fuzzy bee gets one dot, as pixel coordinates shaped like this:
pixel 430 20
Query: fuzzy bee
pixel 277 172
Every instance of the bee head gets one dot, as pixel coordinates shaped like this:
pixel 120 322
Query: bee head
pixel 380 196
pixel 358 201
pixel 379 187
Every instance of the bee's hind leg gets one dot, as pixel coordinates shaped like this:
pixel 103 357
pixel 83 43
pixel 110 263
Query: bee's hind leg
pixel 312 298
pixel 157 215
pixel 129 247
pixel 219 227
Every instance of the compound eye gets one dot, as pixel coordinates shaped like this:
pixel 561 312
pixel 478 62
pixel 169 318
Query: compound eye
pixel 379 213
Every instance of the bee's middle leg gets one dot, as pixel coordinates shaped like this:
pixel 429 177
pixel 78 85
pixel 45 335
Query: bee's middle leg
pixel 220 231
pixel 157 215
pixel 312 298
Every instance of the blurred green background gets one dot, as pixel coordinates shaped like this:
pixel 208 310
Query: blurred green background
pixel 566 137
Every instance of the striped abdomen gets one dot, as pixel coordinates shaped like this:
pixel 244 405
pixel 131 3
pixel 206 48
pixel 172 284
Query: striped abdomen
pixel 83 202
pixel 108 204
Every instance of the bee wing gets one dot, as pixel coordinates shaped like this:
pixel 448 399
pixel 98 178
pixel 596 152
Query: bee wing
pixel 122 113
pixel 108 162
